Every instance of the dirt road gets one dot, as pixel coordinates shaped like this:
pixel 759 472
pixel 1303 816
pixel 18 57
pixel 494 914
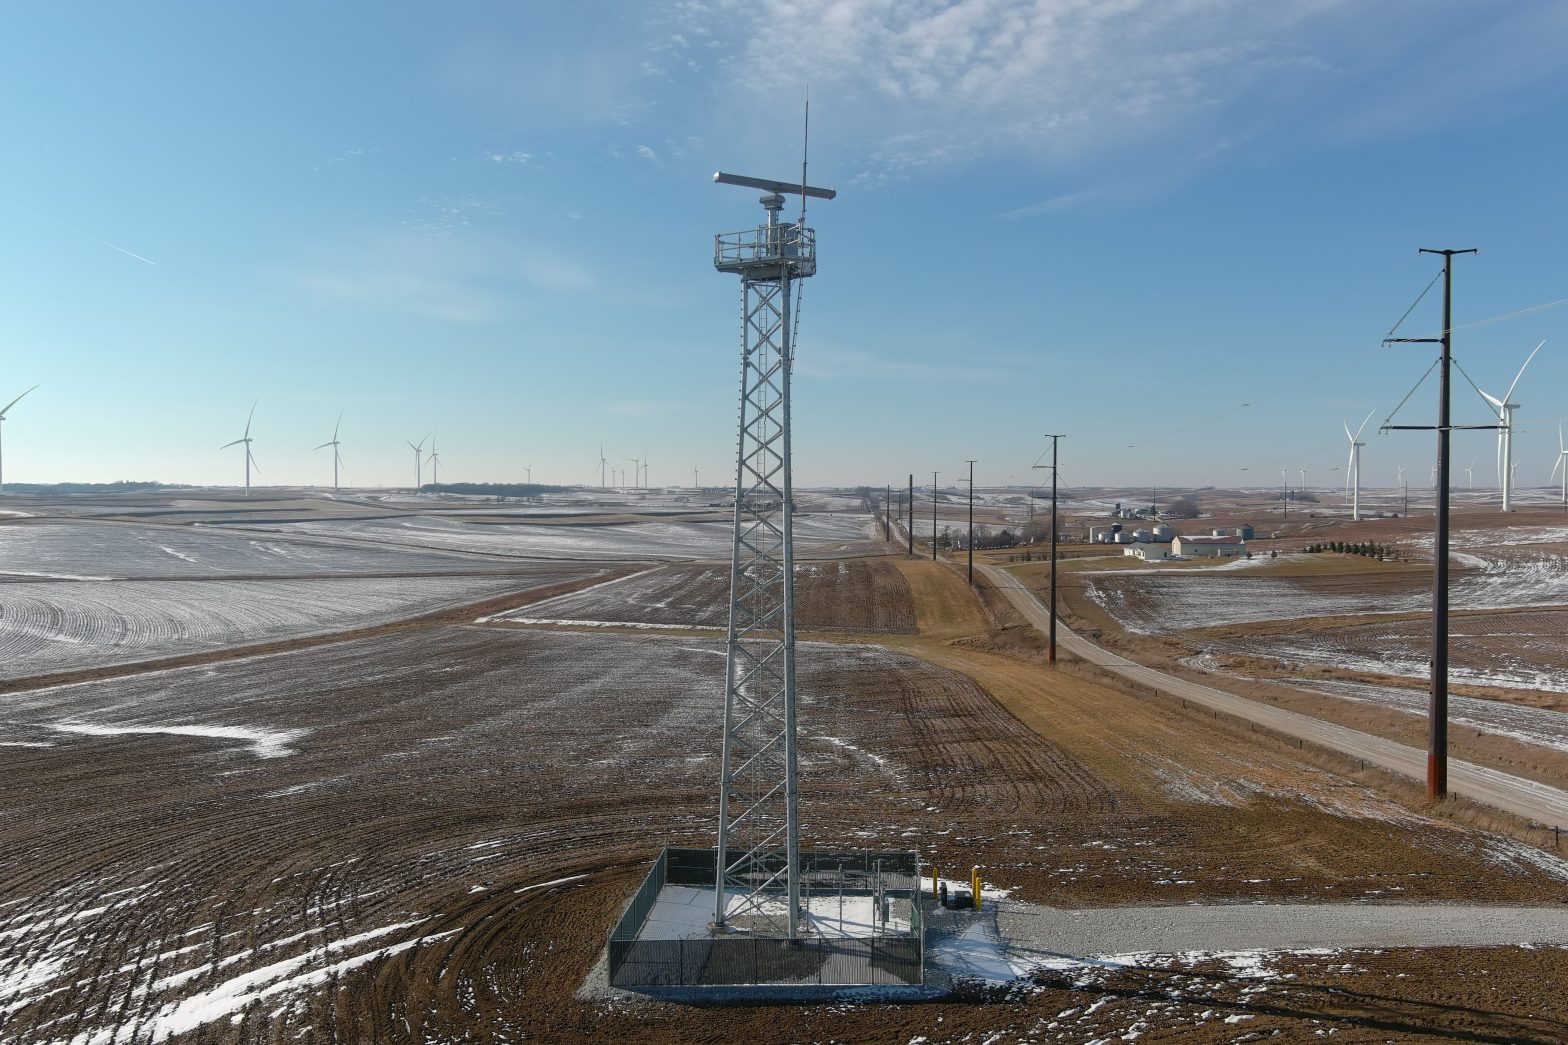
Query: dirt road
pixel 1512 794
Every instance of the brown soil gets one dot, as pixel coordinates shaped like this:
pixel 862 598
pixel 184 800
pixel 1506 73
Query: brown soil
pixel 447 772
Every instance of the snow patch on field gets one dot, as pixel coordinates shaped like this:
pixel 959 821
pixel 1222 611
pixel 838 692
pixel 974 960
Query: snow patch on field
pixel 232 996
pixel 263 743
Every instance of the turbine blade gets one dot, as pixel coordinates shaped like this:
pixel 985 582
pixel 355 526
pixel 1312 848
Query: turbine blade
pixel 253 463
pixel 249 416
pixel 1558 464
pixel 1561 448
pixel 236 442
pixel 1347 431
pixel 1520 374
pixel 13 402
pixel 337 426
pixel 323 446
pixel 1363 427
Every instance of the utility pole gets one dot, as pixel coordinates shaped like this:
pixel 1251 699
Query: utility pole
pixel 909 515
pixel 887 512
pixel 1050 636
pixel 971 465
pixel 1284 482
pixel 933 516
pixel 1437 696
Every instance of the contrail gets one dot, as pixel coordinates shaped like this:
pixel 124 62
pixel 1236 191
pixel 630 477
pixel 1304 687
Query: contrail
pixel 95 239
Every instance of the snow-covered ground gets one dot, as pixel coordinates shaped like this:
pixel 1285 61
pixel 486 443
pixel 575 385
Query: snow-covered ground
pixel 51 626
pixel 641 541
pixel 99 550
pixel 1161 602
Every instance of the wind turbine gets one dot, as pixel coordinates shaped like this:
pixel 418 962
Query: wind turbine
pixel 249 460
pixel 337 458
pixel 530 470
pixel 419 475
pixel 3 410
pixel 1353 469
pixel 602 462
pixel 645 467
pixel 1562 462
pixel 435 463
pixel 636 471
pixel 1470 474
pixel 1505 408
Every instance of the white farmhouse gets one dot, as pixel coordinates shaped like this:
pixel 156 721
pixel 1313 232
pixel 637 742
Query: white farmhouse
pixel 1196 546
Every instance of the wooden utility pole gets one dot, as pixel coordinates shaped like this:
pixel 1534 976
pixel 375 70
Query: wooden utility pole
pixel 1050 637
pixel 909 514
pixel 933 516
pixel 971 465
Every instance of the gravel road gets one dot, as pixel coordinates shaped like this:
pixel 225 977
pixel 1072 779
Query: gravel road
pixel 1028 929
pixel 1516 795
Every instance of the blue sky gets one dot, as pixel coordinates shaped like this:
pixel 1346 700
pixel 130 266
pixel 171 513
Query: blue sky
pixel 493 222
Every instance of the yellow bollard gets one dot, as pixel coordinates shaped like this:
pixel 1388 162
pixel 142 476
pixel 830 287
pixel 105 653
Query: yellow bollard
pixel 934 877
pixel 974 884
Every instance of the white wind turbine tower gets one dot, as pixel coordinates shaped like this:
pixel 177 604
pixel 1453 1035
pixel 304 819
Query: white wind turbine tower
pixel 435 463
pixel 419 474
pixel 337 458
pixel 636 470
pixel 1470 474
pixel 3 411
pixel 530 470
pixel 1353 470
pixel 603 461
pixel 1505 408
pixel 1562 463
pixel 250 461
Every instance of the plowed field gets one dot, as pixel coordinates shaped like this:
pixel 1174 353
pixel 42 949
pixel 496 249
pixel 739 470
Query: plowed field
pixel 855 595
pixel 427 836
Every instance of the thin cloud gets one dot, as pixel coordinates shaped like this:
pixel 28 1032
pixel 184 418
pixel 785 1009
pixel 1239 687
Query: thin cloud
pixel 95 239
pixel 515 156
pixel 346 155
pixel 1070 84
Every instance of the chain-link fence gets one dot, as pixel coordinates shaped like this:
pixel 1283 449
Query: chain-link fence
pixel 889 957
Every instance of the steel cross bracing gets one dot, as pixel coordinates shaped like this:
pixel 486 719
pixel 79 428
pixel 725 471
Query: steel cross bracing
pixel 759 837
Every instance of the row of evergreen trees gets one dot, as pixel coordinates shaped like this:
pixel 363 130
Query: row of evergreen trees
pixel 1373 551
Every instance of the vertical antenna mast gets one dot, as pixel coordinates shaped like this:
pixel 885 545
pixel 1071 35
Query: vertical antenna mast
pixel 805 144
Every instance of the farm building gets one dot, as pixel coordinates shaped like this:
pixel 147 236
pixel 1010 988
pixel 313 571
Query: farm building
pixel 1149 552
pixel 1212 546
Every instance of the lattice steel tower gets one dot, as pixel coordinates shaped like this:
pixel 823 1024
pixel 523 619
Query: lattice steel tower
pixel 759 836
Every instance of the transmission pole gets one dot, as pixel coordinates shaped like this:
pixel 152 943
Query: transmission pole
pixel 887 512
pixel 1050 637
pixel 909 515
pixel 971 465
pixel 1437 697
